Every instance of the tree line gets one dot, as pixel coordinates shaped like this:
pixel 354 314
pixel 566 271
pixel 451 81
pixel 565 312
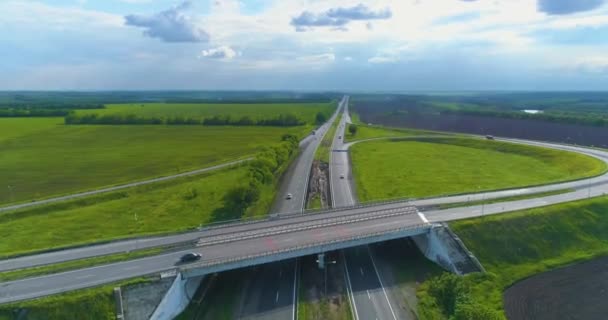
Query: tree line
pixel 282 120
pixel 561 117
pixel 267 166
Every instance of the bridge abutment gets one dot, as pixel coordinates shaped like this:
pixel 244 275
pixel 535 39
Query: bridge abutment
pixel 177 297
pixel 441 245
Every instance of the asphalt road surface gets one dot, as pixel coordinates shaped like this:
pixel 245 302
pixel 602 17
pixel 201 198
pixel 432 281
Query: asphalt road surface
pixel 367 293
pixel 270 296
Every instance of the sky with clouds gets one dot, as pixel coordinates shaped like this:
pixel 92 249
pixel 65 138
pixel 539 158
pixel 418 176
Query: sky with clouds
pixel 379 45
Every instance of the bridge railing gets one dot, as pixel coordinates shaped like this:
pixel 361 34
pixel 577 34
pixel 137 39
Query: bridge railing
pixel 219 261
pixel 288 215
pixel 300 226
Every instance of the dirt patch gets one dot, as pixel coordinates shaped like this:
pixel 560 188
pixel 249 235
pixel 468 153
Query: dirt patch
pixel 579 291
pixel 318 186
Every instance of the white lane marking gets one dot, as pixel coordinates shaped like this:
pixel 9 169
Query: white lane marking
pixel 85 276
pixel 381 284
pixel 349 287
pixel 368 295
pixel 361 270
pixel 277 297
pixel 423 217
pixel 131 267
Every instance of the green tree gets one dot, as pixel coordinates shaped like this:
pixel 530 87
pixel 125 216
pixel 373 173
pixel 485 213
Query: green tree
pixel 352 128
pixel 320 118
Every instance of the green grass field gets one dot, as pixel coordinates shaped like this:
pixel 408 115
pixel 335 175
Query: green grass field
pixel 304 111
pixel 369 132
pixel 170 206
pixel 42 158
pixel 517 245
pixel 387 169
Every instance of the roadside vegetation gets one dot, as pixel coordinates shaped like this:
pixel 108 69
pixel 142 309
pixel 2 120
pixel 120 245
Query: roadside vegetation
pixel 513 247
pixel 163 207
pixel 94 304
pixel 422 167
pixel 246 190
pixel 41 158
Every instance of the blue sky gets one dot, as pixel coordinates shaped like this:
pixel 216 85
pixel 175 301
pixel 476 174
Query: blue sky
pixel 387 45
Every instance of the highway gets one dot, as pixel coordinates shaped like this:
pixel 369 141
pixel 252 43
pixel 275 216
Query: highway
pixel 369 299
pixel 34 287
pixel 269 296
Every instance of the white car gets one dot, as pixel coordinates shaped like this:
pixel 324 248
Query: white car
pixel 342 176
pixel 289 196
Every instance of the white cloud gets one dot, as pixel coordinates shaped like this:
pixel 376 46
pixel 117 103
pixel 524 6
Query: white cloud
pixel 221 52
pixel 171 25
pixel 592 64
pixel 318 58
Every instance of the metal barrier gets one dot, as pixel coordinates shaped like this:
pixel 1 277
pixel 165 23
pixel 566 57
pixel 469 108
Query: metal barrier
pixel 308 225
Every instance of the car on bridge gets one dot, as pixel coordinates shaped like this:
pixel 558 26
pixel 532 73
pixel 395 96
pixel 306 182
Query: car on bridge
pixel 190 257
pixel 289 196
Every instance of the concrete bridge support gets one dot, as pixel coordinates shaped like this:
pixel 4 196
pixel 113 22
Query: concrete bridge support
pixel 177 297
pixel 442 246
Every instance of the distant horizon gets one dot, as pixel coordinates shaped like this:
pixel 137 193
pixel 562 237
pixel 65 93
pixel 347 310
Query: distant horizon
pixel 306 91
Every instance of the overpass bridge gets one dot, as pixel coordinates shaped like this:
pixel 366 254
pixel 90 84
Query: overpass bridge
pixel 300 235
pixel 242 244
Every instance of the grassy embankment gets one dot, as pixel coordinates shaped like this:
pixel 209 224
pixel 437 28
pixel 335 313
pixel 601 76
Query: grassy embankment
pixel 515 246
pixel 170 206
pixel 52 159
pixel 94 304
pixel 442 166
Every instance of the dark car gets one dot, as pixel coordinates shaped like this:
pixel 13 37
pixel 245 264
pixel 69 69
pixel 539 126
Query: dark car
pixel 190 257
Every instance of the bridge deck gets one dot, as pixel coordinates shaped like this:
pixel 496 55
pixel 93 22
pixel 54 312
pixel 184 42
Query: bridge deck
pixel 297 237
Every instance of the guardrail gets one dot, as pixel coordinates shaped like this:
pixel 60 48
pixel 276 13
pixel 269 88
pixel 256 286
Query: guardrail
pixel 308 225
pixel 306 246
pixel 289 215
